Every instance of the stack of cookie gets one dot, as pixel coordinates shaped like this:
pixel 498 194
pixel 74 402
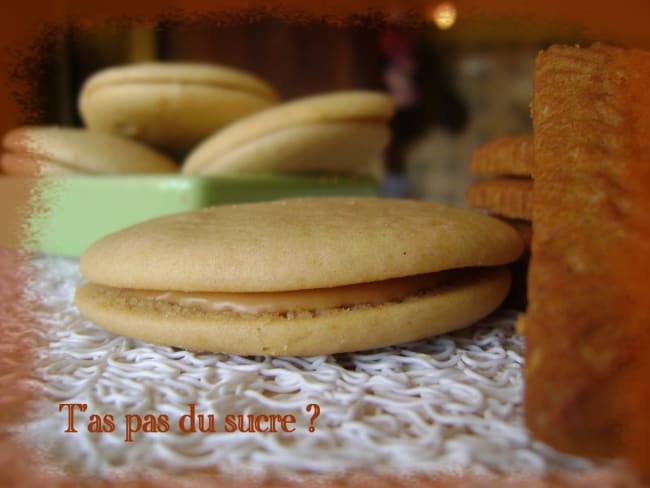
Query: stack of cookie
pixel 204 119
pixel 138 119
pixel 587 314
pixel 504 188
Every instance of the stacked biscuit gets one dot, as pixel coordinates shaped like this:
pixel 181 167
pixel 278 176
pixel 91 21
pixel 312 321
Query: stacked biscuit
pixel 504 188
pixel 586 323
pixel 203 119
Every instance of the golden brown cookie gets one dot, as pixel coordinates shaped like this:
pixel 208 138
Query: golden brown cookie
pixel 519 269
pixel 52 150
pixel 341 132
pixel 587 320
pixel 299 277
pixel 510 155
pixel 503 196
pixel 524 227
pixel 171 105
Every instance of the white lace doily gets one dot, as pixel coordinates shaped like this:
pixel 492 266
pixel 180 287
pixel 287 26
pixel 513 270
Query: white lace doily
pixel 451 403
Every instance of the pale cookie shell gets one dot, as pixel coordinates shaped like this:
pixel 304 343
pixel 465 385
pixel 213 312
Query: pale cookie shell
pixel 469 296
pixel 180 73
pixel 524 227
pixel 171 105
pixel 52 150
pixel 298 244
pixel 346 106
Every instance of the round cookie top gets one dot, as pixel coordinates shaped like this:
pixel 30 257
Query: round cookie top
pixel 344 106
pixel 180 73
pixel 295 244
pixel 57 150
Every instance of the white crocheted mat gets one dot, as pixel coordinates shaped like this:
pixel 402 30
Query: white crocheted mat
pixel 450 403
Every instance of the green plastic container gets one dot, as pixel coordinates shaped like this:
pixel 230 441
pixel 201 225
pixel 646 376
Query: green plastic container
pixel 81 209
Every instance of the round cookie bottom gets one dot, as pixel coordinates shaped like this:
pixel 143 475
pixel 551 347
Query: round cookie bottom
pixel 469 295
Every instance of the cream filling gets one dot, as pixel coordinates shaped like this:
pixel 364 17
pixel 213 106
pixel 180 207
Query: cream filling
pixel 314 299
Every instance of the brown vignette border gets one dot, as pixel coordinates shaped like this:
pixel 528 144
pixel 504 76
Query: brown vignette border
pixel 623 22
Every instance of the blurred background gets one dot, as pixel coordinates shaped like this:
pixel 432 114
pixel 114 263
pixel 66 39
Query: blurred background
pixel 457 82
